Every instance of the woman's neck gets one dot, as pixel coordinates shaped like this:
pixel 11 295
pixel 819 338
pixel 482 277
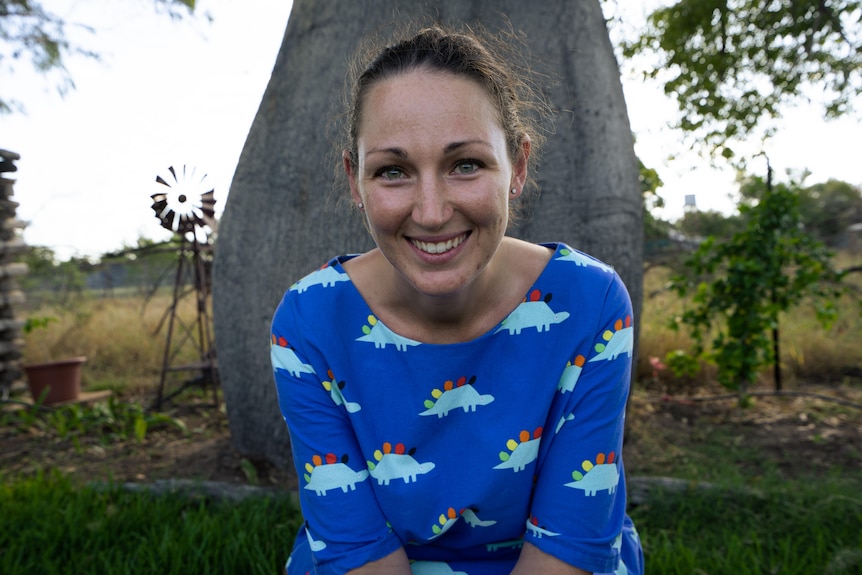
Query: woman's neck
pixel 457 317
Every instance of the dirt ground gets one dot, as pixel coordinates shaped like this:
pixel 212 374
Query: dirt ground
pixel 666 434
pixel 812 431
pixel 202 452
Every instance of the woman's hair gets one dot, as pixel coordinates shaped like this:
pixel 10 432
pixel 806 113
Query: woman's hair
pixel 489 60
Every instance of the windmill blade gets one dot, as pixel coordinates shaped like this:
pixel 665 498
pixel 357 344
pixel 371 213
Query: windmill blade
pixel 208 204
pixel 186 206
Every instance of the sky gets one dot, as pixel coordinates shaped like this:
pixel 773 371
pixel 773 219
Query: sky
pixel 184 94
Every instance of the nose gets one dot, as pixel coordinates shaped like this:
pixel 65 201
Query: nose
pixel 431 208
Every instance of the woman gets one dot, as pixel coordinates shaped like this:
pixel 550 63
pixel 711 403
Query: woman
pixel 455 397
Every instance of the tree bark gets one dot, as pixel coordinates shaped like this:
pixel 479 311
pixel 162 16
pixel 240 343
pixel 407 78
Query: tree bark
pixel 278 225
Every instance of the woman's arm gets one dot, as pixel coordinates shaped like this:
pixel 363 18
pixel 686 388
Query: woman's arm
pixel 533 560
pixel 579 522
pixel 395 563
pixel 344 524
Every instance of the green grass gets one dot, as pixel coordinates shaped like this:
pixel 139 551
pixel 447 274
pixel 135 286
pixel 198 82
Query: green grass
pixel 790 529
pixel 48 526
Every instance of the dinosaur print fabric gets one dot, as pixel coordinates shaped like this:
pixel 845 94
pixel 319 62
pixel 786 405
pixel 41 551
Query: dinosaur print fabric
pixel 460 452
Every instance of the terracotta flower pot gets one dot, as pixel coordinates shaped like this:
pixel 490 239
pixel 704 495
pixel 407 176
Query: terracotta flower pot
pixel 61 378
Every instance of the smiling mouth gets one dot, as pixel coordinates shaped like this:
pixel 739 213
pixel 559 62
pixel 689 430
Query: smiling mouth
pixel 439 247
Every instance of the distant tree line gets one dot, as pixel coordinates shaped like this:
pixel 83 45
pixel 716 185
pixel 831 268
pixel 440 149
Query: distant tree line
pixel 829 213
pixel 139 270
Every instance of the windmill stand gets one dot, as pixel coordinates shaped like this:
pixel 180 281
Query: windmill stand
pixel 189 214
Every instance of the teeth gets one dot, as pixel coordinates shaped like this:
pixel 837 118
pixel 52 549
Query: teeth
pixel 439 247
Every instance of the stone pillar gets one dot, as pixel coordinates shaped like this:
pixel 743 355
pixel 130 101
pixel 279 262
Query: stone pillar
pixel 11 296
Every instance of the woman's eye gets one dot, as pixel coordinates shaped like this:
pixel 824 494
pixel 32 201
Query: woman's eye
pixel 390 173
pixel 466 167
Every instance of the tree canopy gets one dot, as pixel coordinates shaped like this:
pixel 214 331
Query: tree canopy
pixel 28 31
pixel 732 64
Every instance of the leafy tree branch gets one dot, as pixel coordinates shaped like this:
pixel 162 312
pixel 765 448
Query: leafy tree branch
pixel 30 32
pixel 732 64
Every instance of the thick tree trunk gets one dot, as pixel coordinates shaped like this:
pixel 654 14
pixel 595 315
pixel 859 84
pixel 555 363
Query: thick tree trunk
pixel 277 225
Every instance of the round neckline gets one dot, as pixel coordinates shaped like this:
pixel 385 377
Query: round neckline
pixel 340 260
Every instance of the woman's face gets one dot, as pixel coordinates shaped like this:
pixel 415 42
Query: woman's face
pixel 434 176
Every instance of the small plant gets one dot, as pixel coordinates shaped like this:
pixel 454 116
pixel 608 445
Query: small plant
pixel 108 421
pixel 740 287
pixel 250 471
pixel 682 363
pixel 33 323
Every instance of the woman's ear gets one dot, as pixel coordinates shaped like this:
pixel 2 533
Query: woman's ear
pixel 350 170
pixel 519 168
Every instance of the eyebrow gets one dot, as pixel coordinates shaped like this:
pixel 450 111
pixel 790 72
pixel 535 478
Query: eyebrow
pixel 394 151
pixel 454 146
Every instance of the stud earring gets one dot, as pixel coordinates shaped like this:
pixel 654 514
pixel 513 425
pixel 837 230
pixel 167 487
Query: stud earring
pixel 361 206
pixel 514 191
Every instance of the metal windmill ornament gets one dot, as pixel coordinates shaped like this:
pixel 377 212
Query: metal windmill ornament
pixel 184 205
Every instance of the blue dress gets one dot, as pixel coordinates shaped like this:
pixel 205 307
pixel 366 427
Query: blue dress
pixel 460 452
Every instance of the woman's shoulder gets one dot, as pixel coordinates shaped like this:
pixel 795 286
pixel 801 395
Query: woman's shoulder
pixel 318 291
pixel 522 262
pixel 572 259
pixel 578 273
pixel 328 275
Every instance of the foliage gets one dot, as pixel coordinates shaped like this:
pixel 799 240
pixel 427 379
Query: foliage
pixel 702 224
pixel 109 421
pixel 829 209
pixel 826 209
pixel 147 266
pixel 740 286
pixel 650 182
pixel 47 525
pixel 38 322
pixel 28 30
pixel 39 259
pixel 732 64
pixel 67 279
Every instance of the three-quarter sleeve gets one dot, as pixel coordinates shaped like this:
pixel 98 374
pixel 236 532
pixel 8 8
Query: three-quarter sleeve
pixel 344 524
pixel 579 502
